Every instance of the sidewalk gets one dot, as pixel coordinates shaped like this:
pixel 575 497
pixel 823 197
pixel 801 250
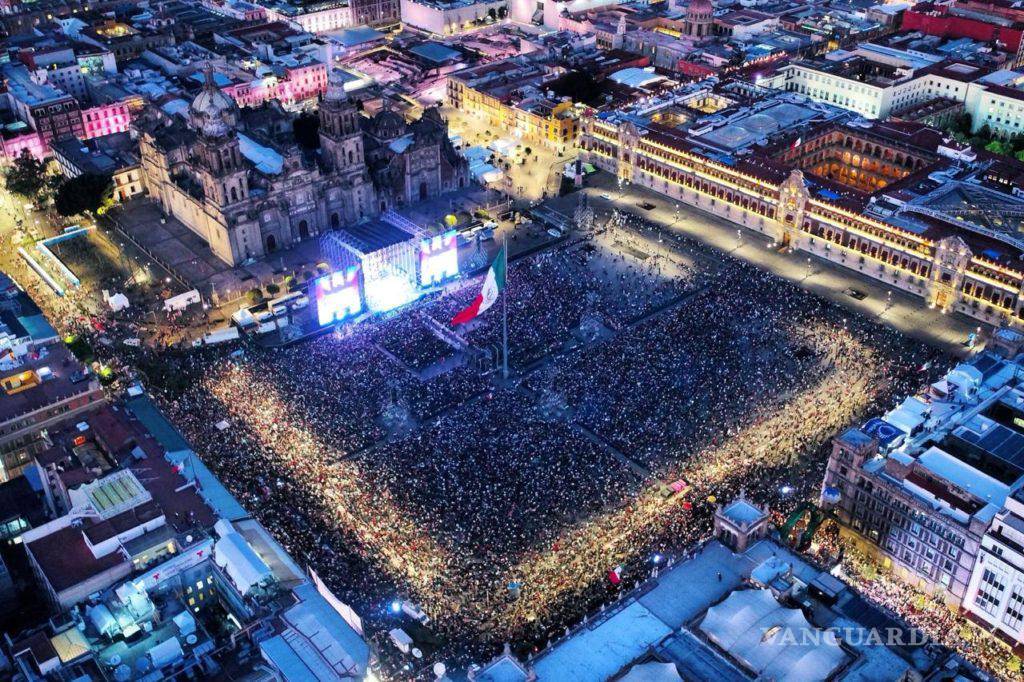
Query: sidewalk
pixel 906 313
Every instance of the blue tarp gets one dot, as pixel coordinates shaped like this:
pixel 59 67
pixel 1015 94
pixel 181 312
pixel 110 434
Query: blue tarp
pixel 434 52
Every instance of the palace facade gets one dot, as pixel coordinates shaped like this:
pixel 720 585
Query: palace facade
pixel 895 201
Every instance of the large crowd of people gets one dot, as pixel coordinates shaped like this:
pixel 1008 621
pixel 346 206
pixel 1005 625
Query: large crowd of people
pixel 501 512
pixel 501 516
pixel 552 293
pixel 927 612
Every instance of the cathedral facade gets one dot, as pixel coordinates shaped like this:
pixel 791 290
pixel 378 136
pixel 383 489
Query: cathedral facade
pixel 248 192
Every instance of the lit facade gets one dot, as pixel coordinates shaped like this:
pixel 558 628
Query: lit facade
pixel 930 489
pixel 300 84
pixel 247 196
pixel 538 118
pixel 774 199
pixel 450 18
pixel 878 90
pixel 995 595
pixel 105 119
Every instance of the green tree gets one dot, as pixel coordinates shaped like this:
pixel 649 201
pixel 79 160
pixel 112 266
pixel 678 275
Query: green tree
pixel 87 192
pixel 962 124
pixel 254 296
pixel 995 146
pixel 26 176
pixel 273 289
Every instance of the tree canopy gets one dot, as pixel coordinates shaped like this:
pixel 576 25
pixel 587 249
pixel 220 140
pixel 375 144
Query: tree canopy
pixel 26 176
pixel 87 192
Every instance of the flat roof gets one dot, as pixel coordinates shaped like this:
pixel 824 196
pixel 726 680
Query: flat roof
pixel 58 385
pixel 66 560
pixel 434 52
pixel 373 235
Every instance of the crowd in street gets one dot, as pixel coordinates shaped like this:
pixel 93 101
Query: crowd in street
pixel 926 612
pixel 503 509
pixel 409 339
pixel 552 293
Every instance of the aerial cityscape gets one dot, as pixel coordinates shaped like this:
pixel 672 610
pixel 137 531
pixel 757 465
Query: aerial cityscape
pixel 512 340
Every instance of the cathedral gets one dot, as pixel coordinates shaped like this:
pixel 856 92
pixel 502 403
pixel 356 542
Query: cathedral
pixel 238 180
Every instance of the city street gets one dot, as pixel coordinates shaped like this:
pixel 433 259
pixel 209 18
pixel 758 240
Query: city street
pixel 902 311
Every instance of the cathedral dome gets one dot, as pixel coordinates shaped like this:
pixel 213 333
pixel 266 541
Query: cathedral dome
pixel 213 113
pixel 700 8
pixel 388 125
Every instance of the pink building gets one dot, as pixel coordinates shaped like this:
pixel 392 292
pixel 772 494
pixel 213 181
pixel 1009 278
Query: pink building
pixel 13 146
pixel 105 119
pixel 299 84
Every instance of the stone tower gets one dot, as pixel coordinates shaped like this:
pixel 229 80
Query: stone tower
pixel 341 137
pixel 219 164
pixel 952 256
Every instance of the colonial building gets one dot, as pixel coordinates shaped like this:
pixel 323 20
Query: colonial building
pixel 928 487
pixel 248 190
pixel 895 201
pixel 411 162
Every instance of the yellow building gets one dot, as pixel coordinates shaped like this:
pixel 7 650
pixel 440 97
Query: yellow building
pixel 509 96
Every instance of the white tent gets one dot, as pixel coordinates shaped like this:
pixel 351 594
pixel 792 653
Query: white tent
pixel 165 653
pixel 117 302
pixel 240 561
pixel 186 623
pixel 182 301
pixel 770 640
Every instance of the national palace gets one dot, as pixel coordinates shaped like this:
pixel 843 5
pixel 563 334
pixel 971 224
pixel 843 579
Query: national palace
pixel 894 200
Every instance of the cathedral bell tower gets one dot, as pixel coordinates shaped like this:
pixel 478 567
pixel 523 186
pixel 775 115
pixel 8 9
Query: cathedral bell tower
pixel 341 137
pixel 221 170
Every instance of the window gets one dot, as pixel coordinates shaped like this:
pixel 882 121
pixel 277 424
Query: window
pixel 1014 616
pixel 990 591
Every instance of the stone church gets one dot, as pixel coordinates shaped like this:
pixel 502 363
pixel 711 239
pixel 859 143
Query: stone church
pixel 238 180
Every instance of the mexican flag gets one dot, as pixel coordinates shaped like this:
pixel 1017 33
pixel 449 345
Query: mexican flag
pixel 494 284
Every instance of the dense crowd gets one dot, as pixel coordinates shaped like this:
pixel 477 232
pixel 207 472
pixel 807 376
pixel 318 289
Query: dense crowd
pixel 736 381
pixel 553 293
pixel 412 342
pixel 728 377
pixel 926 612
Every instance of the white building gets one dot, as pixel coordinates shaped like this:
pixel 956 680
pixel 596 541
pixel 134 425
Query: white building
pixel 995 594
pixel 548 12
pixel 877 82
pixel 449 18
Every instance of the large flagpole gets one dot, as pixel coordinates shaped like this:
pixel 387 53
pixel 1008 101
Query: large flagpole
pixel 504 312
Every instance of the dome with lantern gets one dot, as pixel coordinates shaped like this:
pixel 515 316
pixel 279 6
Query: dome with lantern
pixel 213 113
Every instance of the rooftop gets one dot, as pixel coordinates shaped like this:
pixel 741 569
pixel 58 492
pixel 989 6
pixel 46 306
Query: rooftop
pixel 662 621
pixel 66 560
pixel 49 376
